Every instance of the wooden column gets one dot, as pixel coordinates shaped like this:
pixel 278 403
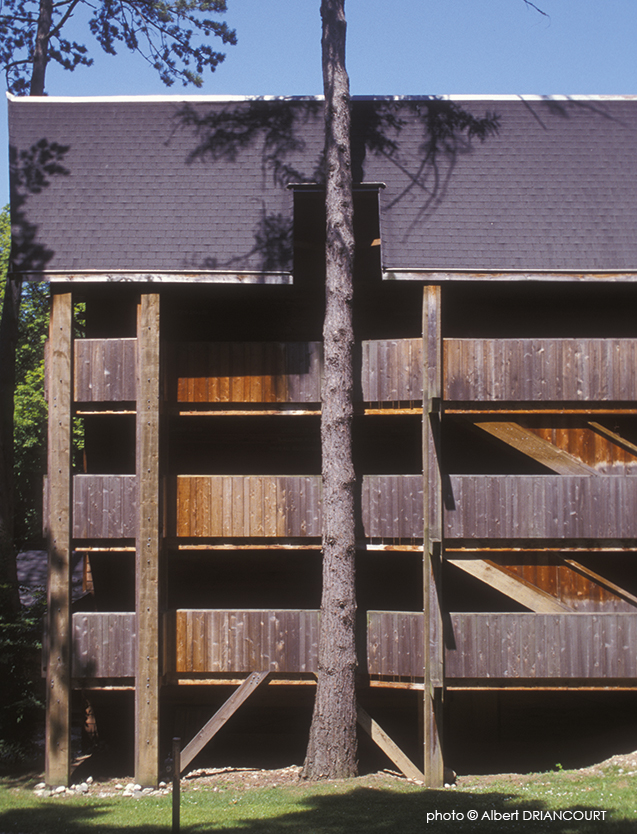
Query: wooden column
pixel 432 539
pixel 147 550
pixel 58 658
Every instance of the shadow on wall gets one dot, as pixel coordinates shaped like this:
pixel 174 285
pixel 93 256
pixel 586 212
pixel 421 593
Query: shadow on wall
pixel 30 172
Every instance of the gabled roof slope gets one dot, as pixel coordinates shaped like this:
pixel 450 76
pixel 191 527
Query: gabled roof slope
pixel 200 184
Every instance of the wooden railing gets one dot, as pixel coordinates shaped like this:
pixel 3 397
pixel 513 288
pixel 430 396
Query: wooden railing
pixel 105 370
pixel 508 646
pixel 392 370
pixel 287 506
pixel 541 507
pixel 543 646
pixel 256 506
pixel 247 372
pixel 588 370
pixel 104 645
pixel 213 641
pixel 104 506
pixel 487 370
pixel 500 646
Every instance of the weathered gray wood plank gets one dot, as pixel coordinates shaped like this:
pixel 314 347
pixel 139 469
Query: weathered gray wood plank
pixel 104 645
pixel 392 370
pixel 563 646
pixel 510 646
pixel 542 370
pixel 542 507
pixel 105 370
pixel 104 506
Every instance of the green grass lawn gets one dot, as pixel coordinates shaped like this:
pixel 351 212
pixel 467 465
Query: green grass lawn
pixel 369 805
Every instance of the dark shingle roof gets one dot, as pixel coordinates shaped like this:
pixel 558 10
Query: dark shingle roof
pixel 175 184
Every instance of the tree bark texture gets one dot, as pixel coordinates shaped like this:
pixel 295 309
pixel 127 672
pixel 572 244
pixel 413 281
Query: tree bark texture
pixel 332 746
pixel 41 50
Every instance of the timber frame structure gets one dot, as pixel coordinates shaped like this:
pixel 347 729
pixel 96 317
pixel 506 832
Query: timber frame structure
pixel 495 430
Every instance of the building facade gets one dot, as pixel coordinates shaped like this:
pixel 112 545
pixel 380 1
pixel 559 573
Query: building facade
pixel 494 430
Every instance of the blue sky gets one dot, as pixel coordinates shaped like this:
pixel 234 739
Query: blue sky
pixel 406 47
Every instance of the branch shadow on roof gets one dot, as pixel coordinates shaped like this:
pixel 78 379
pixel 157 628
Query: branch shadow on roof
pixel 31 171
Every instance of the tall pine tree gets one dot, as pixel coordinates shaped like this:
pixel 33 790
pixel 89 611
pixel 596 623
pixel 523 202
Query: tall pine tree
pixel 332 746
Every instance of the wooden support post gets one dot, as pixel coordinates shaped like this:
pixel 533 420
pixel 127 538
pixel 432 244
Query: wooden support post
pixel 432 538
pixel 58 661
pixel 176 784
pixel 147 544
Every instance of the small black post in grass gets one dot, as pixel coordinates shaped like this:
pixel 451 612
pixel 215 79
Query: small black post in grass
pixel 176 782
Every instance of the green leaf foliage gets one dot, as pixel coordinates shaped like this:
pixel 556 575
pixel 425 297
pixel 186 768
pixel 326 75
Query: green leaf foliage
pixel 170 36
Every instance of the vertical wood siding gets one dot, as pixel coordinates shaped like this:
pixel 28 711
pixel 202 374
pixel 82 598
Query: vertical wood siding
pixel 543 646
pixel 104 645
pixel 104 506
pixel 105 370
pixel 541 507
pixel 392 370
pixel 589 370
pixel 395 643
pixel 243 641
pixel 289 506
pixel 392 506
pixel 254 505
pixel 254 372
pixel 504 646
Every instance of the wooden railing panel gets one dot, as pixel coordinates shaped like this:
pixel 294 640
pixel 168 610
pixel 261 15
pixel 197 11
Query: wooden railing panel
pixel 548 646
pixel 392 506
pixel 226 506
pixel 541 507
pixel 104 645
pixel 105 370
pixel 542 370
pixel 392 370
pixel 243 641
pixel 252 505
pixel 104 506
pixel 248 372
pixel 508 646
pixel 395 643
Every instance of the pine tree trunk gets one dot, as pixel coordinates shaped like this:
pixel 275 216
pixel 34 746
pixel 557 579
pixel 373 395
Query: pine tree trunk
pixel 41 50
pixel 332 746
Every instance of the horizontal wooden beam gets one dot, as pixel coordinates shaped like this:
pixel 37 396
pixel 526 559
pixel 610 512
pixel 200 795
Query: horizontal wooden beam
pixel 388 746
pixel 617 438
pixel 540 450
pixel 435 276
pixel 513 587
pixel 149 277
pixel 601 580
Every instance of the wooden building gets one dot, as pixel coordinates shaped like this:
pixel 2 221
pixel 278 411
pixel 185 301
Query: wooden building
pixel 495 435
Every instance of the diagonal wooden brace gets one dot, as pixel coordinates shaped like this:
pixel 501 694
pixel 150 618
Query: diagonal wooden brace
pixel 226 711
